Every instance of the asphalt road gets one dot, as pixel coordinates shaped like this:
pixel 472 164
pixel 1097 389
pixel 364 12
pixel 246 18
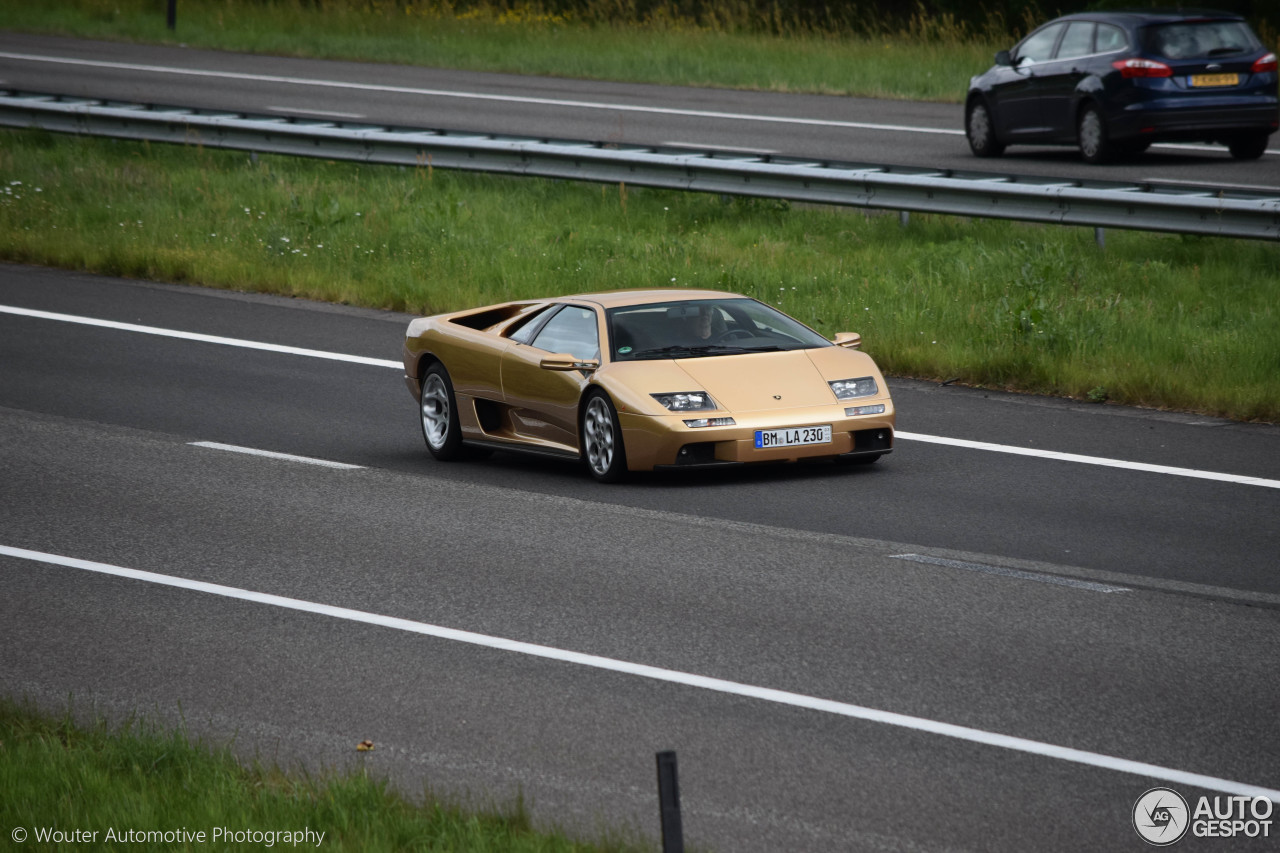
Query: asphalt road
pixel 824 127
pixel 823 690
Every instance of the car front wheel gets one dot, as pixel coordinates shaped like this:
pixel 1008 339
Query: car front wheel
pixel 1091 133
pixel 601 438
pixel 981 132
pixel 440 415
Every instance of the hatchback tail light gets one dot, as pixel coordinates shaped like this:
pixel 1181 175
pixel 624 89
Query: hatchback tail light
pixel 1129 68
pixel 1266 63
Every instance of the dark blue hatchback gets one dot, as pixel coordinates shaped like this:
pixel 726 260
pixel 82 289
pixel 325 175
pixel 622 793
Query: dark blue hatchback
pixel 1114 82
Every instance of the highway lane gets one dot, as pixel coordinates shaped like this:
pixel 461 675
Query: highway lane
pixel 786 579
pixel 1178 682
pixel 854 129
pixel 1154 527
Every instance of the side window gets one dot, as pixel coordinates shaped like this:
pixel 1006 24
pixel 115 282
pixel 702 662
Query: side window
pixel 572 330
pixel 1078 40
pixel 1039 45
pixel 1110 38
pixel 529 325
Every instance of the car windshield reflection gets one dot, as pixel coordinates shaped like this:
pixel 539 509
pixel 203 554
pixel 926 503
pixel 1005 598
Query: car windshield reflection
pixel 705 327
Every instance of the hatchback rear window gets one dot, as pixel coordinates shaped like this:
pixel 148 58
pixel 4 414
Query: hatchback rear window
pixel 1201 39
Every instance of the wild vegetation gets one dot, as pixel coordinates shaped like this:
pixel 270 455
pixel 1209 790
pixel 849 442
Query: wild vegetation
pixel 139 786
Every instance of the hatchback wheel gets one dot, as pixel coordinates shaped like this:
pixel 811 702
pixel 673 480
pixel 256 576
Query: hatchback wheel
pixel 1091 133
pixel 1249 147
pixel 981 132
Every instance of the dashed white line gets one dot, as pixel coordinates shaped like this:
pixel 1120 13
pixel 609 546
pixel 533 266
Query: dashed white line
pixel 1238 479
pixel 271 454
pixel 702 682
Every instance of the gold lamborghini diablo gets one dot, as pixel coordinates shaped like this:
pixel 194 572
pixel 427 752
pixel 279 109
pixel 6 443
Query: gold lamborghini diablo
pixel 642 379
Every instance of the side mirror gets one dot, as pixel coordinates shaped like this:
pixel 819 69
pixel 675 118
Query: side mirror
pixel 565 361
pixel 852 340
pixel 1003 58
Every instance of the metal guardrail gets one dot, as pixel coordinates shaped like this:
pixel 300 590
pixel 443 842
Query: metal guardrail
pixel 1098 204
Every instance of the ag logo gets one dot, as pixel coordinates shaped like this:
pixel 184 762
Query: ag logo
pixel 1161 817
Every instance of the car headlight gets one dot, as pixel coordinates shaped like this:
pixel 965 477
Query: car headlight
pixel 685 401
pixel 847 389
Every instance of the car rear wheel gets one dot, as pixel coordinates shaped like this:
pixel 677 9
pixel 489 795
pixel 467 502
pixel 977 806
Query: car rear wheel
pixel 440 415
pixel 981 132
pixel 1091 133
pixel 1249 147
pixel 601 438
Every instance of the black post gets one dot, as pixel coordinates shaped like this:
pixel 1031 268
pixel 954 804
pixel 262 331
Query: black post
pixel 669 804
pixel 172 19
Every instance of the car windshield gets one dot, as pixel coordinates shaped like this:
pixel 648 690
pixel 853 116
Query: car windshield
pixel 705 327
pixel 1201 39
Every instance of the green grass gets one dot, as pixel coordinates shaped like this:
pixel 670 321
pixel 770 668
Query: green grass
pixel 1177 322
pixel 932 61
pixel 137 778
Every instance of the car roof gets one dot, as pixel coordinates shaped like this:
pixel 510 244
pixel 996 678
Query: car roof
pixel 620 298
pixel 1142 17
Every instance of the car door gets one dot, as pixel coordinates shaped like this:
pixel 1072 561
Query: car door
pixel 1018 95
pixel 542 403
pixel 1060 76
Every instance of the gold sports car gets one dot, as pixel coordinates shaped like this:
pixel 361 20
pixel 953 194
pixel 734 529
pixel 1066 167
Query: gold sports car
pixel 642 379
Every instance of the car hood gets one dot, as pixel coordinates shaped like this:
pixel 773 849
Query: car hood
pixel 780 380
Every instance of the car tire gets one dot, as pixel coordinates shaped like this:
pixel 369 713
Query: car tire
pixel 438 413
pixel 600 438
pixel 1091 135
pixel 981 132
pixel 1249 147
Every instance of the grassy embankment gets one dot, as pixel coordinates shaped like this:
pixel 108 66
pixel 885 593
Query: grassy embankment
pixel 1188 323
pixel 1163 321
pixel 57 775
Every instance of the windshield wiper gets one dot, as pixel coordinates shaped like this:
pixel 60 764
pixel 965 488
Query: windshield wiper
pixel 696 352
pixel 1223 51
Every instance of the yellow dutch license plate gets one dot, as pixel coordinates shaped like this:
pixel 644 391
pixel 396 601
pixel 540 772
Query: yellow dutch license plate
pixel 1209 80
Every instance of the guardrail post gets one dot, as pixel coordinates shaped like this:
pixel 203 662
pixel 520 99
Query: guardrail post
pixel 172 17
pixel 904 218
pixel 669 804
pixel 1100 237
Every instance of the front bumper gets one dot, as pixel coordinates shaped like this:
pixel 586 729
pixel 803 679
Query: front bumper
pixel 664 441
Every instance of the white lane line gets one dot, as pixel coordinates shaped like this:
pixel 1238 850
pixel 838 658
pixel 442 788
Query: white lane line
pixel 728 149
pixel 1092 586
pixel 477 96
pixel 195 336
pixel 1237 479
pixel 766 694
pixel 1091 460
pixel 271 454
pixel 311 112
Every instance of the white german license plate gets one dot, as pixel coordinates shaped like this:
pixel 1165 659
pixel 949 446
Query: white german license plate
pixel 1205 80
pixel 792 436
